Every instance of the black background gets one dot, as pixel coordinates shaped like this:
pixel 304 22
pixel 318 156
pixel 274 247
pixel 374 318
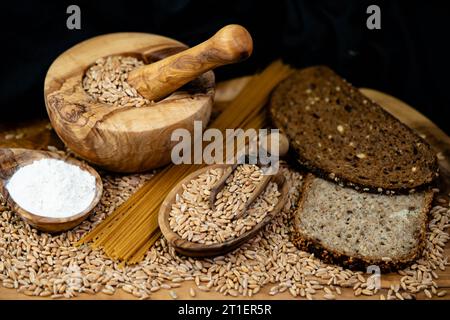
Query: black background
pixel 408 57
pixel 281 309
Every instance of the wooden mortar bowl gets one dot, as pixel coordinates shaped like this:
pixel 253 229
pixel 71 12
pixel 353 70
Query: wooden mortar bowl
pixel 194 249
pixel 13 159
pixel 122 139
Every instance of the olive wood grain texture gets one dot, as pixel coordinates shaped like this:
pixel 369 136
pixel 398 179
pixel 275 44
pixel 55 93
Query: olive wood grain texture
pixel 122 139
pixel 13 159
pixel 193 249
pixel 230 44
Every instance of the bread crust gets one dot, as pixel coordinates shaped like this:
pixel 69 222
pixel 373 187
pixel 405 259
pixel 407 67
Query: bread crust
pixel 356 262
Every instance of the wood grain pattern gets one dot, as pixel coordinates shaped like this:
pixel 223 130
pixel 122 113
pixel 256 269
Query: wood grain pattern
pixel 31 134
pixel 226 91
pixel 193 249
pixel 123 139
pixel 230 44
pixel 13 159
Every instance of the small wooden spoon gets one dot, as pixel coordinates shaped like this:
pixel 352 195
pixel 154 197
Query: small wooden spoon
pixel 12 159
pixel 283 144
pixel 194 249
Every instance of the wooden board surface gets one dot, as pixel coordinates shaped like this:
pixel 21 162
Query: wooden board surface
pixel 26 135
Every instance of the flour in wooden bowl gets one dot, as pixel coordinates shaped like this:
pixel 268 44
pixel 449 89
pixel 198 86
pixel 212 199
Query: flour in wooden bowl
pixel 52 188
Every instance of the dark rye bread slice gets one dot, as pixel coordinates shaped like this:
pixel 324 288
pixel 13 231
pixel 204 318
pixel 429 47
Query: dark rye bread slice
pixel 356 229
pixel 340 134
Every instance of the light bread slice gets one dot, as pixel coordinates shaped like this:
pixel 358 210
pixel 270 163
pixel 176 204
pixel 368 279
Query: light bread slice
pixel 354 229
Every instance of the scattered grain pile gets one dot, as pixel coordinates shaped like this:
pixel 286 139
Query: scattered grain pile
pixel 106 81
pixel 39 264
pixel 193 219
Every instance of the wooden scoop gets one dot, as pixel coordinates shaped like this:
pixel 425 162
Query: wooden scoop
pixel 230 44
pixel 194 249
pixel 13 159
pixel 283 144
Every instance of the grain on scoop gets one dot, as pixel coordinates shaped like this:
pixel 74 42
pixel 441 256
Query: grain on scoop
pixel 192 218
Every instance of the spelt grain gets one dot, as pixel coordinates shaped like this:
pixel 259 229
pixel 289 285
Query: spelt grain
pixel 193 219
pixel 329 296
pixel 106 81
pixel 442 293
pixel 173 295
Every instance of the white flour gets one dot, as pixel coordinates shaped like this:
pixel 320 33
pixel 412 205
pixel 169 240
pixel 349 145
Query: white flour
pixel 52 188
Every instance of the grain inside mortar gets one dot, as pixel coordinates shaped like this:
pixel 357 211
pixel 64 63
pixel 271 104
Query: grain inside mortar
pixel 39 264
pixel 106 81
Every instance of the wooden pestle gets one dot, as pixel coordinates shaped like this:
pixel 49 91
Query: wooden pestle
pixel 154 81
